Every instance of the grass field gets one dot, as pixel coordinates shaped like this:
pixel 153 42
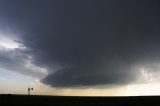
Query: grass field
pixel 78 101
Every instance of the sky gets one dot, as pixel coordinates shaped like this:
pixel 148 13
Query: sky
pixel 80 47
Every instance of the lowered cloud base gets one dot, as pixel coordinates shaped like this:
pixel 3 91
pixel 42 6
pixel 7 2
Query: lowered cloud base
pixel 85 43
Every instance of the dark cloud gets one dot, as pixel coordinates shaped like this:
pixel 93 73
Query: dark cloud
pixel 89 42
pixel 18 61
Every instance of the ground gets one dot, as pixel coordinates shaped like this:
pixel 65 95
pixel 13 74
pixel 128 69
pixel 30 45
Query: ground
pixel 78 101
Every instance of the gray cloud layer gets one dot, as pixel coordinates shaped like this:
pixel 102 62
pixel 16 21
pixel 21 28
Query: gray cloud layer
pixel 87 43
pixel 17 61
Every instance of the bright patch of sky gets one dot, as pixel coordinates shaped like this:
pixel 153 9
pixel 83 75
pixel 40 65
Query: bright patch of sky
pixel 12 82
pixel 8 42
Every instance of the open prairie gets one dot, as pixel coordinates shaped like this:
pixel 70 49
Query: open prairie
pixel 78 101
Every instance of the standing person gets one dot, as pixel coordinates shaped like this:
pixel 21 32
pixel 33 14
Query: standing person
pixel 28 91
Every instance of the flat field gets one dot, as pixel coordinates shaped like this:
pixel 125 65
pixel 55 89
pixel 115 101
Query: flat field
pixel 38 100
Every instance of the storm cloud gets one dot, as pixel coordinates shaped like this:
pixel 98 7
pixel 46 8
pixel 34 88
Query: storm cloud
pixel 18 61
pixel 88 42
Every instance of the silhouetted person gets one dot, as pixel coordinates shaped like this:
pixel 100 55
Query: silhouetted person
pixel 29 90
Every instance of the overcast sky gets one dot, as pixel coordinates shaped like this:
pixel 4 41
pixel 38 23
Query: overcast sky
pixel 80 44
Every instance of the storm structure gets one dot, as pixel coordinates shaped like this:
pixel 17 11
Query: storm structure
pixel 81 43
